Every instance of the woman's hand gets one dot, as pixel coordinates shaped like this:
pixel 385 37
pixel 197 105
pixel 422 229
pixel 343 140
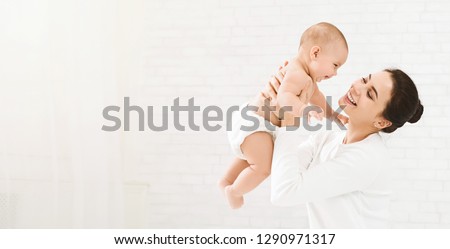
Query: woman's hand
pixel 271 90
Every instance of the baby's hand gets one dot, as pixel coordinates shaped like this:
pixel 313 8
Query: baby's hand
pixel 342 118
pixel 316 115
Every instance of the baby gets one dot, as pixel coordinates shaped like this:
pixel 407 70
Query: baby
pixel 323 49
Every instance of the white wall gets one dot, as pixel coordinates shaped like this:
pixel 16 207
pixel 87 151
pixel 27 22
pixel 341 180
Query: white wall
pixel 221 52
pixel 57 72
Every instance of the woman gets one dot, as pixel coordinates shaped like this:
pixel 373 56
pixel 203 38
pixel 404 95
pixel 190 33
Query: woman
pixel 342 176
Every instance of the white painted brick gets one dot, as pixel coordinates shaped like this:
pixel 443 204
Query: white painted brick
pixel 192 179
pixel 434 163
pixel 424 217
pixel 404 225
pixel 445 48
pixel 225 52
pixel 265 11
pixel 406 206
pixel 427 207
pixel 157 220
pixel 300 223
pixel 447 186
pixel 236 221
pixel 443 174
pixel 222 21
pixel 421 28
pixel 437 226
pixel 357 8
pixel 446 219
pixel 410 7
pixel 380 7
pixel 238 3
pixel 439 196
pixel 437 7
pixel 443 207
pixel 406 163
pixel 397 153
pixel 428 185
pixel 422 153
pixel 398 173
pixel 440 132
pixel 412 195
pixel 402 184
pixel 264 223
pixel 399 216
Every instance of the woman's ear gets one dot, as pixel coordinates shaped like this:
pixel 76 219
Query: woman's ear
pixel 382 123
pixel 314 52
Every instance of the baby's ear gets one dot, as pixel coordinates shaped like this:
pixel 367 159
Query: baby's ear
pixel 314 52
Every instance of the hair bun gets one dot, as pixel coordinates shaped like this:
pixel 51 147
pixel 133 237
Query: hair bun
pixel 417 115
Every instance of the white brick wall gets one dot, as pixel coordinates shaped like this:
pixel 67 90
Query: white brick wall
pixel 222 52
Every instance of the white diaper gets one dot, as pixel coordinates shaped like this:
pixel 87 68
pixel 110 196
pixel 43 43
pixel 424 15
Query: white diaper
pixel 243 126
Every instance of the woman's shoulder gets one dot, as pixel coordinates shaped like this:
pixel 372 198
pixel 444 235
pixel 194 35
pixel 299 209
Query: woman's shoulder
pixel 373 147
pixel 328 136
pixel 374 143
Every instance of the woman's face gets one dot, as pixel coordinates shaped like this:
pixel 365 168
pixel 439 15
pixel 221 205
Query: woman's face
pixel 366 99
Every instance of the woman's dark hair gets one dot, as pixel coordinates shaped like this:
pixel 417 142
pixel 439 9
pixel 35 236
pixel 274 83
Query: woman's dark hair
pixel 404 105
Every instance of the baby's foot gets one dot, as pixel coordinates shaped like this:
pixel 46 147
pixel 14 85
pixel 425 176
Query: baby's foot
pixel 235 201
pixel 222 183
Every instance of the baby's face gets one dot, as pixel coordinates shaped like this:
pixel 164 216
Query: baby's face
pixel 328 61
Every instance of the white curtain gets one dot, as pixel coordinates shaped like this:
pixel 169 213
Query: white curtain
pixel 59 67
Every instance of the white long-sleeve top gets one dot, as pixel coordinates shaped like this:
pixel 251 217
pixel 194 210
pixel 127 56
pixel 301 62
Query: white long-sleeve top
pixel 343 185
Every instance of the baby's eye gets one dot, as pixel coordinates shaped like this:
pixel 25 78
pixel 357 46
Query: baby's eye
pixel 364 80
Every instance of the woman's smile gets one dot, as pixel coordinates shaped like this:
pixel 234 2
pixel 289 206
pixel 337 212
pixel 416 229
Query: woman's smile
pixel 350 99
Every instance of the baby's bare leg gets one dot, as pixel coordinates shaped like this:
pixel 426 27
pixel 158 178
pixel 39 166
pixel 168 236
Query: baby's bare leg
pixel 237 166
pixel 258 149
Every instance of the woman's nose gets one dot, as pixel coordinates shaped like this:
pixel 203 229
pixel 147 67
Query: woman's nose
pixel 357 87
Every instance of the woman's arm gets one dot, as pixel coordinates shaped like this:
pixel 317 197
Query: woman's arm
pixel 318 99
pixel 271 92
pixel 294 182
pixel 293 84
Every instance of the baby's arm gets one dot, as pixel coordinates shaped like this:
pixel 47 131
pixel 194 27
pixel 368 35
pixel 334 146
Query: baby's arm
pixel 289 91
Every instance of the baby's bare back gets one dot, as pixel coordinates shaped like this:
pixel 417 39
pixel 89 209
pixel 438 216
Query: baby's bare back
pixel 264 103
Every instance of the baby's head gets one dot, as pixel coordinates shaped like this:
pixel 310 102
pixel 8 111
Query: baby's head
pixel 324 49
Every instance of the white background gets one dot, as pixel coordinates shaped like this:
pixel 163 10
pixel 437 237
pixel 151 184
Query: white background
pixel 62 62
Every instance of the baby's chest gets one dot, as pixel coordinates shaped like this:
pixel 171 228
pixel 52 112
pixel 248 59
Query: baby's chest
pixel 306 93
